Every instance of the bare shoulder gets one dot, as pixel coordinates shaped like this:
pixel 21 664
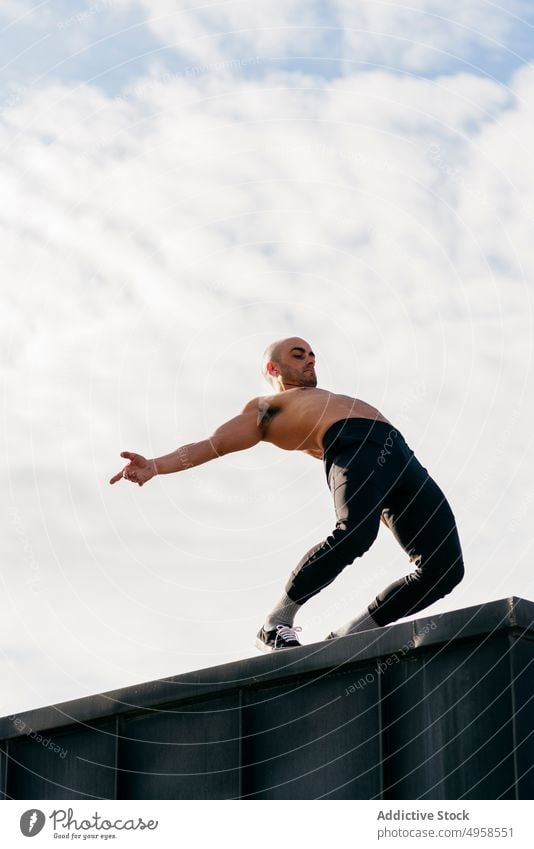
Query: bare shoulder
pixel 252 406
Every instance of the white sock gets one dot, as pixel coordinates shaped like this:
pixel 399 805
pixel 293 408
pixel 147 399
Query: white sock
pixel 282 614
pixel 363 622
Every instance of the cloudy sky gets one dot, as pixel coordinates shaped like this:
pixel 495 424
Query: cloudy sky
pixel 179 185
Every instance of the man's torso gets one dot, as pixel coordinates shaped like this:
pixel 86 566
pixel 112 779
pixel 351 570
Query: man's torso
pixel 297 419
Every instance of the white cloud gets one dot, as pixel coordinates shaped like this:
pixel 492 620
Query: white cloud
pixel 17 9
pixel 427 34
pixel 155 244
pixel 211 34
pixel 424 36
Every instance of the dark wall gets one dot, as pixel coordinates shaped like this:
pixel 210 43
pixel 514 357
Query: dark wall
pixel 437 708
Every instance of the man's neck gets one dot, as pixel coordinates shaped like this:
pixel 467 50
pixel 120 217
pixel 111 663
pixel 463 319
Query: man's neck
pixel 286 387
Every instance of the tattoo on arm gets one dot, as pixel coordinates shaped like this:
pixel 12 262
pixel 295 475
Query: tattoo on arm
pixel 266 412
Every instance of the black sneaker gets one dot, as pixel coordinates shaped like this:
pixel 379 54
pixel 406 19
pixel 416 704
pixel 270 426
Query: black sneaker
pixel 281 637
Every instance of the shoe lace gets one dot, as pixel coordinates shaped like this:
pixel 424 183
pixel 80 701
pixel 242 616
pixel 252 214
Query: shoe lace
pixel 287 632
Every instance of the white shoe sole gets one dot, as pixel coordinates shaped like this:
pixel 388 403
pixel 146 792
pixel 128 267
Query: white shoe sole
pixel 264 647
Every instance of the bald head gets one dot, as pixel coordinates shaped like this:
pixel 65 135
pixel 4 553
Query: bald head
pixel 288 363
pixel 271 355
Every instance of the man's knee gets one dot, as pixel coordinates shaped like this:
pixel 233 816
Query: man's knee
pixel 450 577
pixel 324 562
pixel 454 575
pixel 352 542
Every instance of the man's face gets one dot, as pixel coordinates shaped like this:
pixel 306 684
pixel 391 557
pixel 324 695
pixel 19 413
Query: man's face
pixel 296 363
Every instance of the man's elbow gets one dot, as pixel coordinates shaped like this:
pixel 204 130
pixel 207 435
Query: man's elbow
pixel 218 446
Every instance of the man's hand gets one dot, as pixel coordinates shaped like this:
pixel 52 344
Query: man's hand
pixel 139 470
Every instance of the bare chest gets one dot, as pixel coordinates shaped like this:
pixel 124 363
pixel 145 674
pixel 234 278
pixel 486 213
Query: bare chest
pixel 298 419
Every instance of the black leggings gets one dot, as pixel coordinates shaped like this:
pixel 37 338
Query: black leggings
pixel 371 470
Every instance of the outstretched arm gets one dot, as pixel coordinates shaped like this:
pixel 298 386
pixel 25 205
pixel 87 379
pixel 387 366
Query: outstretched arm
pixel 235 435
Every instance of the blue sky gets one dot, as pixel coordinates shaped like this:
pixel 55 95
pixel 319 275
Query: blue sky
pixel 113 43
pixel 178 188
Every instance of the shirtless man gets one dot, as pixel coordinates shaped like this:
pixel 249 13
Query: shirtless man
pixel 372 473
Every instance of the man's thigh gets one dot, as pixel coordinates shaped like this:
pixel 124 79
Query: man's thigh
pixel 421 518
pixel 355 486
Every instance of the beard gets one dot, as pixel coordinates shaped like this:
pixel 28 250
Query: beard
pixel 307 378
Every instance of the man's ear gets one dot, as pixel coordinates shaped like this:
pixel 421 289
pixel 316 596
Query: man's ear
pixel 272 369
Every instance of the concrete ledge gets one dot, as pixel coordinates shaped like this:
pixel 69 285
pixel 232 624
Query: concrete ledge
pixel 439 707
